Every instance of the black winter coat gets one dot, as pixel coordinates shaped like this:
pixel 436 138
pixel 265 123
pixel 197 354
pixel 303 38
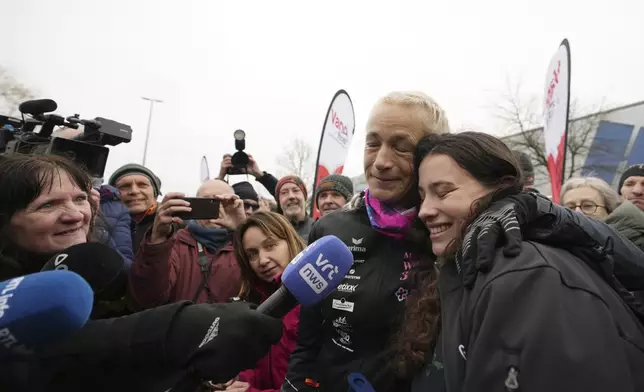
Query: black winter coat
pixel 351 330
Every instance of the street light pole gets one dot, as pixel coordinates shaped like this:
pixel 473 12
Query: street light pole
pixel 147 134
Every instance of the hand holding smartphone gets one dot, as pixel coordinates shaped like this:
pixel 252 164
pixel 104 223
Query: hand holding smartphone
pixel 201 208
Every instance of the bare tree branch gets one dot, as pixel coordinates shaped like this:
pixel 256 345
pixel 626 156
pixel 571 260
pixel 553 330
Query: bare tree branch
pixel 524 124
pixel 12 93
pixel 298 159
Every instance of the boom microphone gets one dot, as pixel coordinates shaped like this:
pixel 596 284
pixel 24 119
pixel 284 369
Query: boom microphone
pixel 310 277
pixel 38 106
pixel 101 266
pixel 40 309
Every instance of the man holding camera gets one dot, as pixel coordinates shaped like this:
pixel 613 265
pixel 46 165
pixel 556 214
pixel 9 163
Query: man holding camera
pixel 266 179
pixel 196 263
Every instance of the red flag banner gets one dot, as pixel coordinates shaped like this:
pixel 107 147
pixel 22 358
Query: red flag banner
pixel 337 132
pixel 555 116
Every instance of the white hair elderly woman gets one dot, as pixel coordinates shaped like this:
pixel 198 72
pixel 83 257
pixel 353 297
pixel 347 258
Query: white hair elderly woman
pixel 595 198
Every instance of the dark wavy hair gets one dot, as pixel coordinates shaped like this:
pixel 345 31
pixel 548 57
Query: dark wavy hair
pixel 491 163
pixel 22 179
pixel 274 226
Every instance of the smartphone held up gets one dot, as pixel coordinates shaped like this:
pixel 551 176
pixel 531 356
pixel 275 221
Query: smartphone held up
pixel 201 208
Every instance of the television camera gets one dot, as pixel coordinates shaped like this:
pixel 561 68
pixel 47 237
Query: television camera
pixel 86 148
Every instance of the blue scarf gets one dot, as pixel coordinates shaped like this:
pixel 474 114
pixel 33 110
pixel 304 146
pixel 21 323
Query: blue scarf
pixel 212 239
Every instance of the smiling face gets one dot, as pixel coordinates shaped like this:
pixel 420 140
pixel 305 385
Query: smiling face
pixel 57 219
pixel 392 134
pixel 447 193
pixel 292 202
pixel 267 256
pixel 137 193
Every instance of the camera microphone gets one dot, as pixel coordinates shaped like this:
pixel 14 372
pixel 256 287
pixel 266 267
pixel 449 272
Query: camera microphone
pixel 38 106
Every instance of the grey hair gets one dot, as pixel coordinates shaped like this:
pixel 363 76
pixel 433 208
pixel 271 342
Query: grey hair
pixel 434 118
pixel 611 198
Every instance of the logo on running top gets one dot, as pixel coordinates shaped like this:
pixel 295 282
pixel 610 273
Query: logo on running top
pixel 347 288
pixel 356 245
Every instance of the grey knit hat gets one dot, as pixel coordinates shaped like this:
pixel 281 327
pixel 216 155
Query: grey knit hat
pixel 135 168
pixel 335 182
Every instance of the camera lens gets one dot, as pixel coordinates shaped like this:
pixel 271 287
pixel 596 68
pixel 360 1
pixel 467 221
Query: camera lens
pixel 239 135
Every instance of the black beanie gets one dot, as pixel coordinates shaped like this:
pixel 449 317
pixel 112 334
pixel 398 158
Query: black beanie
pixel 634 170
pixel 135 168
pixel 245 191
pixel 526 166
pixel 335 182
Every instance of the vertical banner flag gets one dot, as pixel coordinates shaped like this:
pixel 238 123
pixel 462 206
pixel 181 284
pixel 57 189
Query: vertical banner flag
pixel 337 131
pixel 555 116
pixel 205 172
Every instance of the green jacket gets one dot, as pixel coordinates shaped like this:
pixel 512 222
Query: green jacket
pixel 628 220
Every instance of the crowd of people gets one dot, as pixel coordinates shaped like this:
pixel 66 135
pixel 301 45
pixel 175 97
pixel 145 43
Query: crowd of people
pixel 465 278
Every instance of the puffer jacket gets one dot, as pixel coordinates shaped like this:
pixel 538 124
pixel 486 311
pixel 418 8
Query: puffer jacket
pixel 114 224
pixel 628 220
pixel 270 371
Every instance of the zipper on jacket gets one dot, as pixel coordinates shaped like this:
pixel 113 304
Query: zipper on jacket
pixel 512 379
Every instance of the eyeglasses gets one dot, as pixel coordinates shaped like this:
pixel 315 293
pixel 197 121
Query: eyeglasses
pixel 587 207
pixel 254 207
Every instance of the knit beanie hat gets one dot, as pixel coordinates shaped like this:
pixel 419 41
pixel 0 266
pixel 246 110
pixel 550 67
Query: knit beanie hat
pixel 526 166
pixel 634 170
pixel 135 168
pixel 335 182
pixel 292 179
pixel 245 191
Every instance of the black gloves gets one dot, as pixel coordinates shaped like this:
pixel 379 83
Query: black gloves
pixel 501 221
pixel 534 217
pixel 216 342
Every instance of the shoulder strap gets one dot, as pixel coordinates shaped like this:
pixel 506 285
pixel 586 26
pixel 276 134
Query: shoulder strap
pixel 204 263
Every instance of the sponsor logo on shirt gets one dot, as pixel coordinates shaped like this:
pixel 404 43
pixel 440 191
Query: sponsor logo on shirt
pixel 402 294
pixel 343 329
pixel 212 333
pixel 356 245
pixel 347 288
pixel 342 304
pixel 351 275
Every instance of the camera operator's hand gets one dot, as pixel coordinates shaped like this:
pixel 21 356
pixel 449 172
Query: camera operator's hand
pixel 169 206
pixel 217 341
pixel 252 168
pixel 231 211
pixel 226 163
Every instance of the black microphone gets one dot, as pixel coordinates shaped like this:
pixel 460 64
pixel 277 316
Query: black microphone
pixel 101 266
pixel 38 106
